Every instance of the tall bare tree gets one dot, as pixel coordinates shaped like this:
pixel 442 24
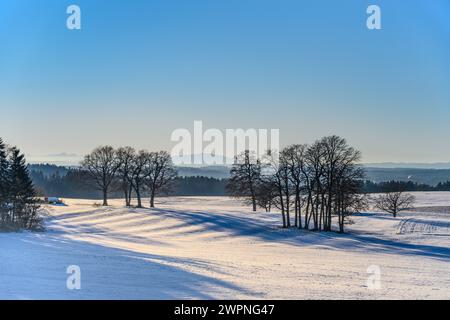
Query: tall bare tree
pixel 245 176
pixel 102 165
pixel 159 174
pixel 281 180
pixel 315 162
pixel 294 158
pixel 266 193
pixel 340 171
pixel 138 174
pixel 125 157
pixel 347 196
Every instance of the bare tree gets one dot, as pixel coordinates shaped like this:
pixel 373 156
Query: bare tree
pixel 266 192
pixel 348 198
pixel 294 157
pixel 342 179
pixel 159 174
pixel 284 189
pixel 245 176
pixel 394 202
pixel 315 163
pixel 102 165
pixel 138 174
pixel 125 157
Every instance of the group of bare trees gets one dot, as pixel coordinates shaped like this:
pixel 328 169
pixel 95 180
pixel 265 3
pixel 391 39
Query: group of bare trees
pixel 314 183
pixel 133 172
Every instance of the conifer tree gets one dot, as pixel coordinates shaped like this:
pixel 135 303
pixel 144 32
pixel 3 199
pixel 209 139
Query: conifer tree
pixel 4 181
pixel 21 191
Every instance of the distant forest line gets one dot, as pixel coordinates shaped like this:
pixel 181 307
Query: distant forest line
pixel 376 174
pixel 52 180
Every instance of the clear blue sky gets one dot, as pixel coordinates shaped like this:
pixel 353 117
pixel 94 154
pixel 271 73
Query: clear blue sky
pixel 140 69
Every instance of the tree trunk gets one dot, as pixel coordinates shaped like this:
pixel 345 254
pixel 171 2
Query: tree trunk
pixel 341 219
pixel 105 197
pixel 152 199
pixel 284 218
pixel 130 192
pixel 125 193
pixel 307 213
pixel 299 213
pixel 316 215
pixel 282 208
pixel 138 195
pixel 288 216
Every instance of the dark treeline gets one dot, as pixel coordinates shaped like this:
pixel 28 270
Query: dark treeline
pixel 72 184
pixel 18 203
pixel 199 186
pixel 405 186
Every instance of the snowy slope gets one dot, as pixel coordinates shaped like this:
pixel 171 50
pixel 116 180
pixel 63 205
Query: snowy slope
pixel 209 248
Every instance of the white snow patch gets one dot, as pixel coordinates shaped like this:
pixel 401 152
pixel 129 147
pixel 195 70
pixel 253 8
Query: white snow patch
pixel 214 248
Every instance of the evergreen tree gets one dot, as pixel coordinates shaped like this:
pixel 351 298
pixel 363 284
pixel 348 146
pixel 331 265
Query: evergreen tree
pixel 22 187
pixel 21 191
pixel 3 168
pixel 18 203
pixel 4 181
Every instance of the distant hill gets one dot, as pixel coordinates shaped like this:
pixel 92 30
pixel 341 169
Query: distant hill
pixel 218 172
pixel 408 165
pixel 422 176
pixel 418 175
pixel 375 174
pixel 49 169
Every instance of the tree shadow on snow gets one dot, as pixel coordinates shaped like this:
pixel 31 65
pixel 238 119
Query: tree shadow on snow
pixel 362 242
pixel 232 225
pixel 38 263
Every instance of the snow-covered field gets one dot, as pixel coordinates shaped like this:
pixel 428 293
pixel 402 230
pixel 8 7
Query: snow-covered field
pixel 214 248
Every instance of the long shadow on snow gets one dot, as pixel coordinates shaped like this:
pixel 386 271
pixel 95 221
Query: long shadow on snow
pixel 236 226
pixel 89 229
pixel 207 221
pixel 106 273
pixel 372 243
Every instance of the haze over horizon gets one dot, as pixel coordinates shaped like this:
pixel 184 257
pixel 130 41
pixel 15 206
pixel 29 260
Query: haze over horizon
pixel 138 70
pixel 70 160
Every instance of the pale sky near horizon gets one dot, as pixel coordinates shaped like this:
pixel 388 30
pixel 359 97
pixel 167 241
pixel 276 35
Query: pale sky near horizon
pixel 137 70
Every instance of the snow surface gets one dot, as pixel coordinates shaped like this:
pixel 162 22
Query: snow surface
pixel 214 248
